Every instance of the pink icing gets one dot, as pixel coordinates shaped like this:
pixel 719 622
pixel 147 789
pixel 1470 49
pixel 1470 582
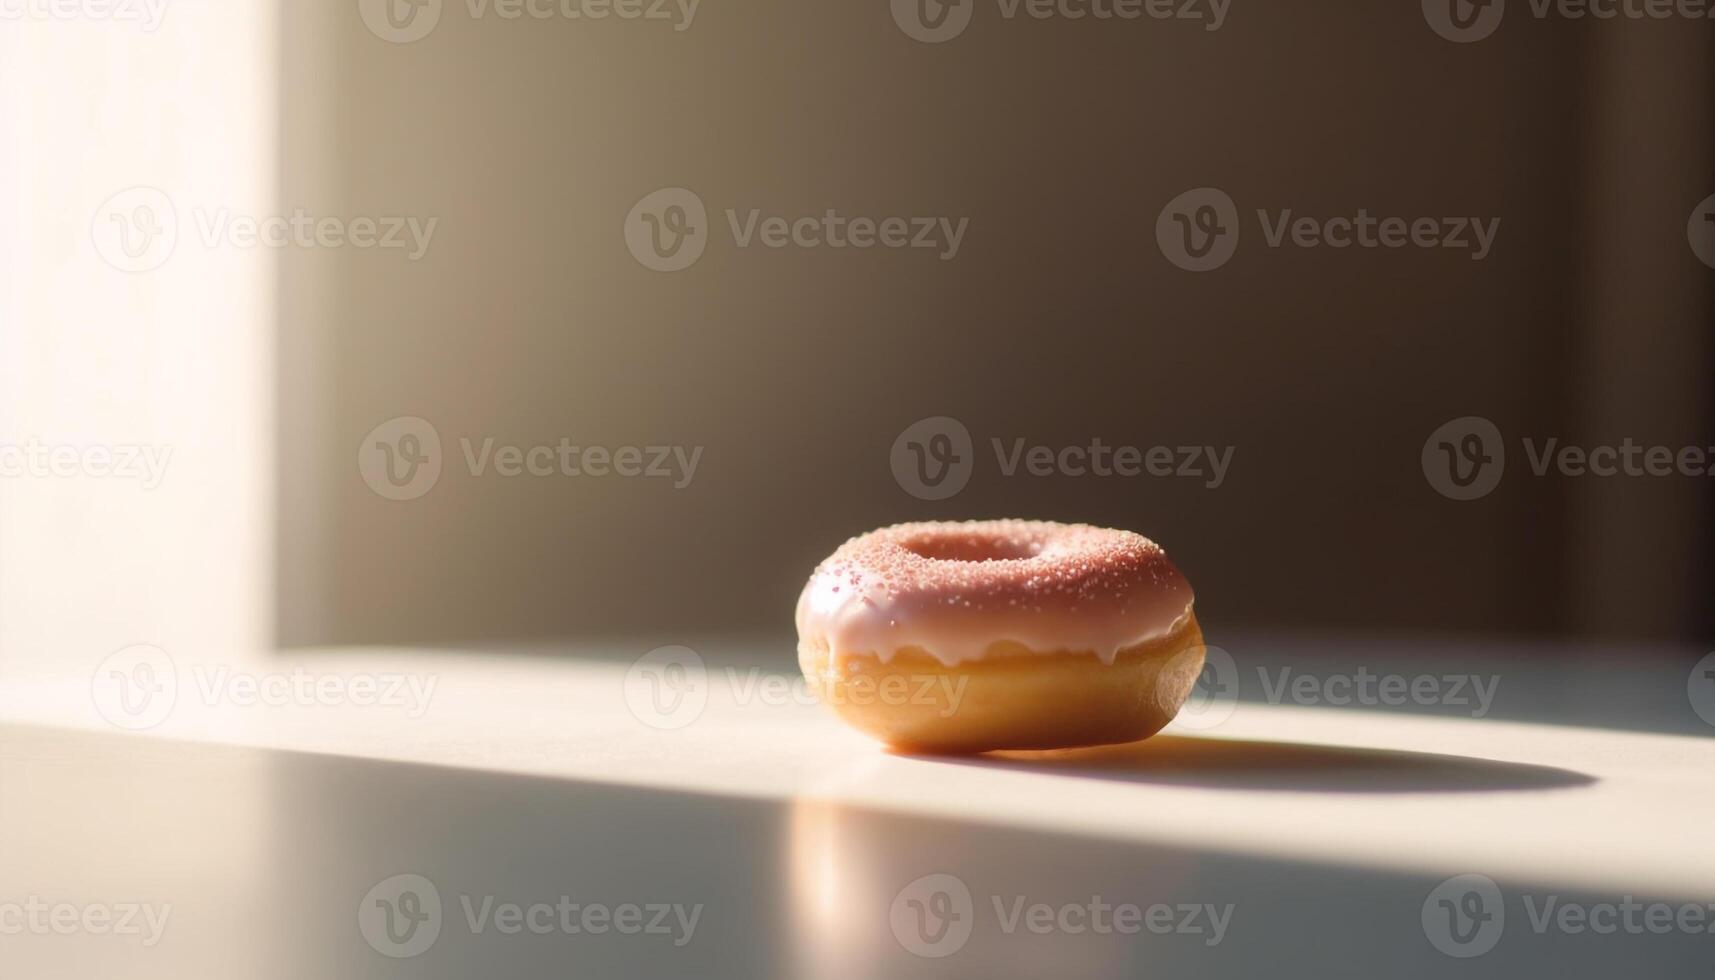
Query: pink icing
pixel 953 589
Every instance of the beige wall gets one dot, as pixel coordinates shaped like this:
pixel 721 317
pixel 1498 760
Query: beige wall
pixel 1058 322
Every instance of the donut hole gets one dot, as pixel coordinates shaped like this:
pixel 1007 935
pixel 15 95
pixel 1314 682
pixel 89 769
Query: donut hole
pixel 972 548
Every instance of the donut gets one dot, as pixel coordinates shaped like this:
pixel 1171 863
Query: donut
pixel 967 637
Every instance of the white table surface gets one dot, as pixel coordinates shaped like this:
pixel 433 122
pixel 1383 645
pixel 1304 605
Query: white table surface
pixel 527 778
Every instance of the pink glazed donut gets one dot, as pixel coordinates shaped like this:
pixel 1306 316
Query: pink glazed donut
pixel 968 637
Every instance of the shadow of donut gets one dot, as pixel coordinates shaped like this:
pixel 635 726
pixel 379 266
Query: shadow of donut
pixel 1245 764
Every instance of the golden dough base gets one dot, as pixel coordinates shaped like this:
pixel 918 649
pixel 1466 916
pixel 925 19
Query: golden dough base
pixel 1011 699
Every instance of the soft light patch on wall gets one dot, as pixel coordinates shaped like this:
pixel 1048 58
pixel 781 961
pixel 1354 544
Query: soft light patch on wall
pixel 135 350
